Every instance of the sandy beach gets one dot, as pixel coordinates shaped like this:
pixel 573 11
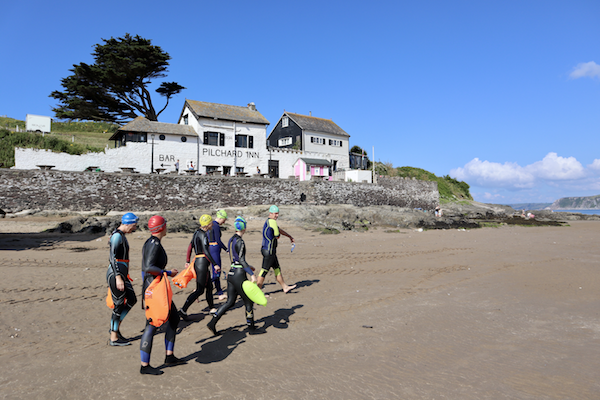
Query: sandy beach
pixel 494 313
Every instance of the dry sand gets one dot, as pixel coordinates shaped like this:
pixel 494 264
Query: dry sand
pixel 493 313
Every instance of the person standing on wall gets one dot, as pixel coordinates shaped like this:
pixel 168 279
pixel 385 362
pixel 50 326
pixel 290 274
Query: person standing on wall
pixel 117 276
pixel 177 167
pixel 271 233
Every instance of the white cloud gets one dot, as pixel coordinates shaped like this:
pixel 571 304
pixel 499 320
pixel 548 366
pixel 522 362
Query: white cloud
pixel 551 169
pixel 595 165
pixel 491 174
pixel 585 70
pixel 490 196
pixel 554 168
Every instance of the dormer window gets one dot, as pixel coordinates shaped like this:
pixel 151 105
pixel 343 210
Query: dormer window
pixel 185 119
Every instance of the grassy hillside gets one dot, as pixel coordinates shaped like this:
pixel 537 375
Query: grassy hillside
pixel 93 134
pixel 9 140
pixel 449 188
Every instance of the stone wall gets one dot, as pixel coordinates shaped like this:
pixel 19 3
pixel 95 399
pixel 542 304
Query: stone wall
pixel 84 191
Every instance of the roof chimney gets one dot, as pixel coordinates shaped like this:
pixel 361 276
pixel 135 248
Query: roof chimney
pixel 252 106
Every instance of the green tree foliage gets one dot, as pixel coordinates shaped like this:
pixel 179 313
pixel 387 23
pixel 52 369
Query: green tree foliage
pixel 9 140
pixel 115 87
pixel 357 150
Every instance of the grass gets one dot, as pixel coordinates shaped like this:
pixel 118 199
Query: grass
pixel 92 134
pixel 9 140
pixel 490 224
pixel 450 189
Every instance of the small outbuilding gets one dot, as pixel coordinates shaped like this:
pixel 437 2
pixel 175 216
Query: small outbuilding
pixel 306 169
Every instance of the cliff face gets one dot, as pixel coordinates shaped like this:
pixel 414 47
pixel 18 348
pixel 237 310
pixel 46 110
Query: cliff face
pixel 573 203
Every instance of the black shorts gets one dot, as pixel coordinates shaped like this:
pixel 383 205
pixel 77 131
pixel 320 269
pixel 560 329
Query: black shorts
pixel 269 261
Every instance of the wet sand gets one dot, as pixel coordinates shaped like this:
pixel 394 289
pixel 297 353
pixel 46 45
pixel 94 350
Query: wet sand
pixel 510 312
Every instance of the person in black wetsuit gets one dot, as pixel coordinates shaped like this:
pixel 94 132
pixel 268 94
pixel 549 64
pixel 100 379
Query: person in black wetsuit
pixel 117 276
pixel 202 261
pixel 236 277
pixel 271 233
pixel 154 261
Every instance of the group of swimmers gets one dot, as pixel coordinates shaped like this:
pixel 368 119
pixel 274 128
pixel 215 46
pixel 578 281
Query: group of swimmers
pixel 207 245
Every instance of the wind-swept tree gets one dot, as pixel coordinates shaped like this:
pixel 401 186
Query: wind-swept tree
pixel 115 87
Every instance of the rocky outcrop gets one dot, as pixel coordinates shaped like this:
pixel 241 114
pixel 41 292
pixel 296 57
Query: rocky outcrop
pixel 574 203
pixel 339 218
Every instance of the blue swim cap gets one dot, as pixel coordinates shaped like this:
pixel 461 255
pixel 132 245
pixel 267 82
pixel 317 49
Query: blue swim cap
pixel 129 218
pixel 273 209
pixel 240 223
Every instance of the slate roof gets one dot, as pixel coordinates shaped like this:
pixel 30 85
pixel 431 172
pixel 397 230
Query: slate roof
pixel 315 161
pixel 225 112
pixel 142 124
pixel 315 124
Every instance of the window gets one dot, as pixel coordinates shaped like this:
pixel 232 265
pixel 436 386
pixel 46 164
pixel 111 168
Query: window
pixel 244 141
pixel 183 139
pixel 211 168
pixel 285 121
pixel 214 139
pixel 333 142
pixel 185 119
pixel 161 137
pixel 135 137
pixel 317 140
pixel 285 141
pixel 239 169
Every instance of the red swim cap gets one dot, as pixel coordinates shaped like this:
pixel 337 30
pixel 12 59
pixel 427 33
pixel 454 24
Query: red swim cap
pixel 157 224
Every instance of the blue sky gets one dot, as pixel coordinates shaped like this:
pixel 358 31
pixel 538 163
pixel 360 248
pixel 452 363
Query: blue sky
pixel 503 95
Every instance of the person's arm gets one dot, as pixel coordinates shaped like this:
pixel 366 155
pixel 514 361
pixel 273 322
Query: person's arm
pixel 206 250
pixel 116 242
pixel 218 238
pixel 152 255
pixel 189 254
pixel 240 247
pixel 284 233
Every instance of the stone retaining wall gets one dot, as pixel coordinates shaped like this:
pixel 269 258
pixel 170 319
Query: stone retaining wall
pixel 84 191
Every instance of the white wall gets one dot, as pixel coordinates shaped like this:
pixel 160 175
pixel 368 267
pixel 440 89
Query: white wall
pixel 357 175
pixel 337 153
pixel 288 157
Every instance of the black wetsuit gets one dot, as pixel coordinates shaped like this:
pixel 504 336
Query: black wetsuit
pixel 202 262
pixel 235 279
pixel 119 265
pixel 154 261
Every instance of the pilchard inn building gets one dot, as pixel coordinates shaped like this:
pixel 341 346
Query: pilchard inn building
pixel 211 138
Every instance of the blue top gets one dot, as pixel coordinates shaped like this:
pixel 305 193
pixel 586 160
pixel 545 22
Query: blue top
pixel 214 236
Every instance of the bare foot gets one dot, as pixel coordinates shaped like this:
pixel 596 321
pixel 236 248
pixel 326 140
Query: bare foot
pixel 288 288
pixel 213 310
pixel 223 297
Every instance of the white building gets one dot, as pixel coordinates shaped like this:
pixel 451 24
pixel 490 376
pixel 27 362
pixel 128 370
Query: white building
pixel 297 136
pixel 212 138
pixel 231 138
